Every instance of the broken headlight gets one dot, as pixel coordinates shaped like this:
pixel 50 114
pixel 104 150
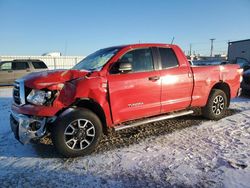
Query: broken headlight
pixel 39 97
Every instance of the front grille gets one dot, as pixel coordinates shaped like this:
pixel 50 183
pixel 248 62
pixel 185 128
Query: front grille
pixel 16 93
pixel 19 93
pixel 246 79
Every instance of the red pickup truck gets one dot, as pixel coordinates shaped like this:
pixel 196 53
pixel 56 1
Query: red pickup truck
pixel 111 87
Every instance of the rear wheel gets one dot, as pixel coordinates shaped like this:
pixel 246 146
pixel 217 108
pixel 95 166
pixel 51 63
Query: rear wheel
pixel 77 133
pixel 216 105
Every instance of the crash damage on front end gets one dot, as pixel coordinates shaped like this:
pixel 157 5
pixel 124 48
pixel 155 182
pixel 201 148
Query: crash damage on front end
pixel 37 100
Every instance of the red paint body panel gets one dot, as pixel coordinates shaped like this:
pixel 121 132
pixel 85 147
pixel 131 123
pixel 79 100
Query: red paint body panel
pixel 131 96
pixel 36 110
pixel 177 84
pixel 44 79
pixel 134 96
pixel 207 76
pixel 92 88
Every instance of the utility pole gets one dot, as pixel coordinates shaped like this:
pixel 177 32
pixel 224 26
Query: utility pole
pixel 190 49
pixel 212 47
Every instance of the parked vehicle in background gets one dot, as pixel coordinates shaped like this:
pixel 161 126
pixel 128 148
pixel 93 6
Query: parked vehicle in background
pixel 239 53
pixel 109 88
pixel 244 64
pixel 208 62
pixel 245 84
pixel 12 70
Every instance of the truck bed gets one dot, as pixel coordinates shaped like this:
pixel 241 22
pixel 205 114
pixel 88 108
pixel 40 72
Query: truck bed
pixel 206 76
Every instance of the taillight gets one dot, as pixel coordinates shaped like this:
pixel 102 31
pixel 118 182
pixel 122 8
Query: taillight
pixel 240 71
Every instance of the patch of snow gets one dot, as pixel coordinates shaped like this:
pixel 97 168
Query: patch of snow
pixel 212 154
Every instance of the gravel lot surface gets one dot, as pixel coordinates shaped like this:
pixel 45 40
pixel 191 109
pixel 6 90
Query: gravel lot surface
pixel 185 152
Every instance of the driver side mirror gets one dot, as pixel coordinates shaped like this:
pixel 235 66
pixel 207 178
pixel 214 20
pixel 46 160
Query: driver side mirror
pixel 125 67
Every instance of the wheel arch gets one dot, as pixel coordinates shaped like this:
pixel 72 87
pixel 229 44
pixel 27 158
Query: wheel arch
pixel 90 104
pixel 94 107
pixel 225 88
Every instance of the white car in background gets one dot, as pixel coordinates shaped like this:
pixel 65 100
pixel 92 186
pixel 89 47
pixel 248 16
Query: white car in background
pixel 12 70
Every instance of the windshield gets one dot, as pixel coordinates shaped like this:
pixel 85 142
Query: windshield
pixel 97 60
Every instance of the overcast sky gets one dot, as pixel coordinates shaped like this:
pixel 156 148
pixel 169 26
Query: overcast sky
pixel 32 27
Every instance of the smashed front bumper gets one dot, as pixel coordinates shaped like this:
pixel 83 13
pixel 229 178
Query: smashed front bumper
pixel 27 128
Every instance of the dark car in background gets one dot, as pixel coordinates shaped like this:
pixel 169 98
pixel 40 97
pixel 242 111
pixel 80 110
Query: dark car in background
pixel 244 63
pixel 245 84
pixel 12 70
pixel 208 62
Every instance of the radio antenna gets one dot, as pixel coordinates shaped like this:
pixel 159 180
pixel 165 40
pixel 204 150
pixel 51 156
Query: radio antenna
pixel 172 40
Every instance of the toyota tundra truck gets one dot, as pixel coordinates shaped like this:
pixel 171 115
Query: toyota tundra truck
pixel 117 88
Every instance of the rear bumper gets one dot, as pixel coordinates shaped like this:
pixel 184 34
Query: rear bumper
pixel 27 128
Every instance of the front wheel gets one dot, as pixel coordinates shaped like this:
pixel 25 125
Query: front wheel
pixel 77 133
pixel 216 105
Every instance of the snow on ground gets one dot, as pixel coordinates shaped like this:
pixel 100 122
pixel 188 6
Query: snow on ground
pixel 212 154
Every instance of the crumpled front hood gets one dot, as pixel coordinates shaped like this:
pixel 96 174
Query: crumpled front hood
pixel 44 79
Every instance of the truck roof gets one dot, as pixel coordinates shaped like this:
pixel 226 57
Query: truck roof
pixel 26 60
pixel 144 45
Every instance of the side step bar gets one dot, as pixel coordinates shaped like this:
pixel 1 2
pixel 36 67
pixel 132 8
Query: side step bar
pixel 154 119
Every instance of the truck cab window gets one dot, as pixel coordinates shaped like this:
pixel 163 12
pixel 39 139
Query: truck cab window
pixel 140 59
pixel 168 58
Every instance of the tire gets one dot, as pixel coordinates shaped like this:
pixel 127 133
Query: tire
pixel 76 133
pixel 216 105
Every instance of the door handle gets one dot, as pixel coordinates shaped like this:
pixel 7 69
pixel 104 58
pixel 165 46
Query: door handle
pixel 154 78
pixel 27 70
pixel 10 71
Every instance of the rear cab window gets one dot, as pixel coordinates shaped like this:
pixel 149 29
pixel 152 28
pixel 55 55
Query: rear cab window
pixel 168 58
pixel 39 65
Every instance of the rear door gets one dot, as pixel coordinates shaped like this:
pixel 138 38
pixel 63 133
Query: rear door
pixel 135 94
pixel 20 68
pixel 177 81
pixel 6 73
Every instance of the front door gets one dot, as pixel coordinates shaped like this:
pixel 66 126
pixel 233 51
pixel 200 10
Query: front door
pixel 135 94
pixel 6 73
